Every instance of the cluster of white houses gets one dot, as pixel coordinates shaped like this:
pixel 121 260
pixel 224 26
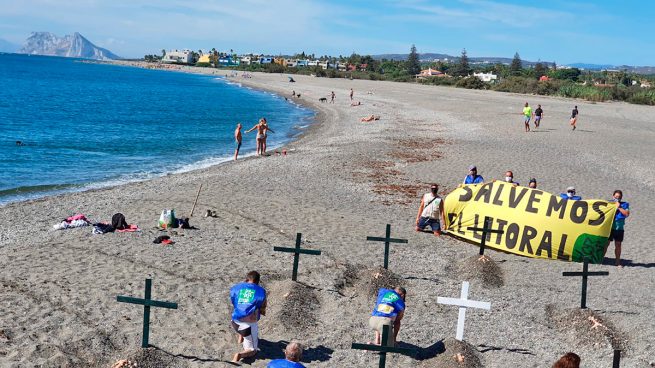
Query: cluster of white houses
pixel 187 57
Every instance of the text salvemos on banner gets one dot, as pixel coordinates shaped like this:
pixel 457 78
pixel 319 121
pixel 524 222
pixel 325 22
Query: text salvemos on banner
pixel 535 223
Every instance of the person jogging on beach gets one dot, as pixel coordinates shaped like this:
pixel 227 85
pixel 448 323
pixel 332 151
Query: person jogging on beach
pixel 389 310
pixel 332 97
pixel 237 141
pixel 527 115
pixel 574 117
pixel 538 115
pixel 249 302
pixel 262 129
pixel 616 234
pixel 430 211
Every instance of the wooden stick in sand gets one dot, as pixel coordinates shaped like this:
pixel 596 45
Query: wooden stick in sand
pixel 196 201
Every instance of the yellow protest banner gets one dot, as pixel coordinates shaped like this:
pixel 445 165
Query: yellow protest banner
pixel 534 223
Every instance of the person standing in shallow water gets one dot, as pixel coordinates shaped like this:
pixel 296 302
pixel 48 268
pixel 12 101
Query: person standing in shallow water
pixel 237 141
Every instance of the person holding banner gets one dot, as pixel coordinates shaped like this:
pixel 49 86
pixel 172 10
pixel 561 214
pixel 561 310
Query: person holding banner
pixel 616 235
pixel 430 212
pixel 533 183
pixel 473 177
pixel 570 194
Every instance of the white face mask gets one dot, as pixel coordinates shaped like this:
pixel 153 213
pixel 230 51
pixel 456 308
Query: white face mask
pixel 508 179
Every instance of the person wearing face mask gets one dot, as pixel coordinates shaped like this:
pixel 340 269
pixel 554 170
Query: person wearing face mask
pixel 616 235
pixel 430 212
pixel 533 183
pixel 570 194
pixel 473 177
pixel 509 178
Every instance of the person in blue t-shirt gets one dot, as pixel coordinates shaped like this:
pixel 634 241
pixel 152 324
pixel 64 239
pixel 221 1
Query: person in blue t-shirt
pixel 473 177
pixel 570 194
pixel 249 302
pixel 616 235
pixel 389 310
pixel 292 355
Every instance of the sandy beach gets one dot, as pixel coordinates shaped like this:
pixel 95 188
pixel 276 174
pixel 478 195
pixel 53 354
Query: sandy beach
pixel 341 181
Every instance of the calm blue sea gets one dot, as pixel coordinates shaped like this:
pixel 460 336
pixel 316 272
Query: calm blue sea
pixel 90 125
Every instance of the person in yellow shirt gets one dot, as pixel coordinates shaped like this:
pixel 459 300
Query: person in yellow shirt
pixel 527 115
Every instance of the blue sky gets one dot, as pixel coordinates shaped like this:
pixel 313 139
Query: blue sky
pixel 601 32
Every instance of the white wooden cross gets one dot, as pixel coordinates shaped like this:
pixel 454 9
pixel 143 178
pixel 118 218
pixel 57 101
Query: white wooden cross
pixel 463 303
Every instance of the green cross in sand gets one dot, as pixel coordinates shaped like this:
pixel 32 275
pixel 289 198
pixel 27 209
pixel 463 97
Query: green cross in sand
pixel 585 274
pixel 382 348
pixel 486 231
pixel 296 254
pixel 387 239
pixel 147 303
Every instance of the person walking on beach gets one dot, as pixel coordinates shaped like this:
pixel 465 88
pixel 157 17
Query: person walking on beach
pixel 430 211
pixel 249 302
pixel 351 94
pixel 292 357
pixel 262 129
pixel 527 115
pixel 332 97
pixel 538 115
pixel 616 235
pixel 237 141
pixel 389 311
pixel 574 117
pixel 570 194
pixel 473 177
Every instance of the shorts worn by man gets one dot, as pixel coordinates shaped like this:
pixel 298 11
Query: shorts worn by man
pixel 616 234
pixel 389 310
pixel 249 301
pixel 430 212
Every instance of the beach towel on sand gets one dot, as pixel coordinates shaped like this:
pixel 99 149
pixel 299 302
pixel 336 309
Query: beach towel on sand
pixel 78 220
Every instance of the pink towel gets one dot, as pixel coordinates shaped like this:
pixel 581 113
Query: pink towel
pixel 130 229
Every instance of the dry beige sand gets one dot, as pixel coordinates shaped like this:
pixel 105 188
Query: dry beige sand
pixel 341 181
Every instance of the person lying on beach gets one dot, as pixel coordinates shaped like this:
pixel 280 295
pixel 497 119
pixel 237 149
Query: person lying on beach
pixel 389 310
pixel 369 118
pixel 249 302
pixel 262 129
pixel 358 103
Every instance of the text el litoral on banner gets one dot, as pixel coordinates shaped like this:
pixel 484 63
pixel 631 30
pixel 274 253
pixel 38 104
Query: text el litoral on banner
pixel 535 223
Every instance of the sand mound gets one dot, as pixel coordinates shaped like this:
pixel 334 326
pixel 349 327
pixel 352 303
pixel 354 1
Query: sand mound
pixel 458 354
pixel 155 358
pixel 367 279
pixel 294 306
pixel 483 269
pixel 586 328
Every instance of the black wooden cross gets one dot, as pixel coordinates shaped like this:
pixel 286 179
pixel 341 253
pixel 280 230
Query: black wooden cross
pixel 382 348
pixel 147 303
pixel 616 363
pixel 585 273
pixel 486 230
pixel 296 254
pixel 387 239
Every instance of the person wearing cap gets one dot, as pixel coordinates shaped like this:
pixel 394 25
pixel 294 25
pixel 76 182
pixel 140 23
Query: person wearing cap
pixel 473 177
pixel 430 212
pixel 509 178
pixel 389 310
pixel 570 194
pixel 533 183
pixel 292 357
pixel 616 235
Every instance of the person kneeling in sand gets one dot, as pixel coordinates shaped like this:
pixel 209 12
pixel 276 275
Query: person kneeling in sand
pixel 389 310
pixel 249 301
pixel 292 356
pixel 369 118
pixel 430 212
